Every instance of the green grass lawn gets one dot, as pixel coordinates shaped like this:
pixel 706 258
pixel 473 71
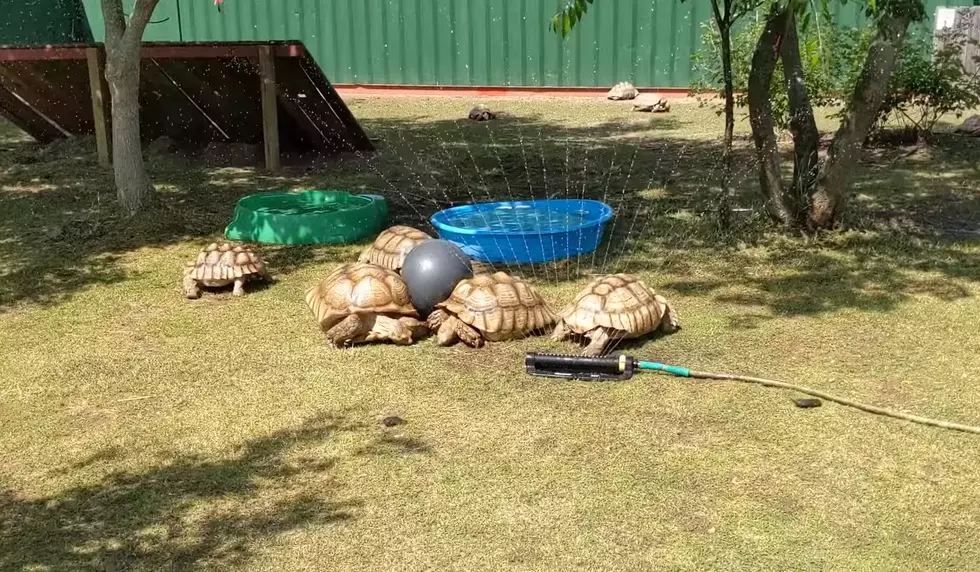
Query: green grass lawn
pixel 143 431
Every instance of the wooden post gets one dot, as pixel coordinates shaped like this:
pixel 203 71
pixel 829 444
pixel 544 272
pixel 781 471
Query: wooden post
pixel 270 110
pixel 99 90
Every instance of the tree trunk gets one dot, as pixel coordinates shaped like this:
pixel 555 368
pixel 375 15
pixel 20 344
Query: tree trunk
pixel 725 202
pixel 869 93
pixel 122 45
pixel 723 20
pixel 133 186
pixel 760 115
pixel 806 138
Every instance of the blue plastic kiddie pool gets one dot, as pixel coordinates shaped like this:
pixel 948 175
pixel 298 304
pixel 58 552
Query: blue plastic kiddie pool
pixel 524 231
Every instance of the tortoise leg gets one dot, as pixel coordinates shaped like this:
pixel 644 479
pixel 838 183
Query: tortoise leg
pixel 416 327
pixel 400 331
pixel 560 333
pixel 466 333
pixel 446 332
pixel 191 289
pixel 599 337
pixel 669 323
pixel 436 319
pixel 347 330
pixel 239 287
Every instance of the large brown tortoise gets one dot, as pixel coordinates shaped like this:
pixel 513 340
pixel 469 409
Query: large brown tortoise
pixel 392 246
pixel 218 265
pixel 363 302
pixel 614 307
pixel 490 307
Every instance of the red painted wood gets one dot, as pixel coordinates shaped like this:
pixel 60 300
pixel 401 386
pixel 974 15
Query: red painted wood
pixel 159 50
pixel 428 90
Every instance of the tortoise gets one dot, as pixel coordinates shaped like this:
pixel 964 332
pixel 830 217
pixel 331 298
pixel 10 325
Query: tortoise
pixel 970 126
pixel 218 265
pixel 489 307
pixel 651 103
pixel 481 113
pixel 363 302
pixel 392 246
pixel 614 307
pixel 622 90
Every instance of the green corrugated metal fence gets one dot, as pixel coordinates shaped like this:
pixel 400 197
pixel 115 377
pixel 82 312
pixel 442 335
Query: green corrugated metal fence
pixel 39 22
pixel 461 42
pixel 477 42
pixel 468 42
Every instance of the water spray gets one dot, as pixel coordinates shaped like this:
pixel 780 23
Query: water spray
pixel 622 367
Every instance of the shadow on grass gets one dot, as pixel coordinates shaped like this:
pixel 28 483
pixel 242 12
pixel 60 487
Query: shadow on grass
pixel 188 512
pixel 60 232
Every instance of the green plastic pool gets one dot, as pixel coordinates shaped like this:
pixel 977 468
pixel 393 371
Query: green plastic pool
pixel 307 217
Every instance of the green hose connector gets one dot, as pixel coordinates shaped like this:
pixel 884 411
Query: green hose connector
pixel 672 369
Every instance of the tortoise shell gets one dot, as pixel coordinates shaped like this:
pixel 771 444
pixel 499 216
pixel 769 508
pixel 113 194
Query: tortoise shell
pixel 392 246
pixel 480 112
pixel 620 302
pixel 622 90
pixel 359 288
pixel 224 263
pixel 500 306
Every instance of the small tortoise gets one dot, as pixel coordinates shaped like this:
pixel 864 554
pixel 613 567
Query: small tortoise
pixel 392 246
pixel 614 307
pixel 481 113
pixel 490 307
pixel 220 265
pixel 622 90
pixel 362 302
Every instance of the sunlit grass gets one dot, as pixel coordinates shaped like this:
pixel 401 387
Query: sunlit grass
pixel 140 430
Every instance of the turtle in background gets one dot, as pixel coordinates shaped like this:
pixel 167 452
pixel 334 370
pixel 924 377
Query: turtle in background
pixel 363 302
pixel 612 308
pixel 622 90
pixel 481 113
pixel 218 265
pixel 490 307
pixel 392 246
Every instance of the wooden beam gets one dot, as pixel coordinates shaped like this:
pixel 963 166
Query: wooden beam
pixel 270 109
pixel 290 49
pixel 219 50
pixel 100 104
pixel 27 118
pixel 46 53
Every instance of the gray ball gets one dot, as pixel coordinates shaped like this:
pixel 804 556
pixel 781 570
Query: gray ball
pixel 432 270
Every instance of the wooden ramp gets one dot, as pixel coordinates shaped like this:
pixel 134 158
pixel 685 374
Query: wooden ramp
pixel 271 93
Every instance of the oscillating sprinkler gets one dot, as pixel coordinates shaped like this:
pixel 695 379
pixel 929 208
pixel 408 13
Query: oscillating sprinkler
pixel 594 368
pixel 622 367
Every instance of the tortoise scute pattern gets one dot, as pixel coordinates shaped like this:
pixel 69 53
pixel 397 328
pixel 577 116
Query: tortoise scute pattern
pixel 619 301
pixel 358 288
pixel 498 306
pixel 221 264
pixel 225 262
pixel 622 90
pixel 392 246
pixel 363 302
pixel 615 307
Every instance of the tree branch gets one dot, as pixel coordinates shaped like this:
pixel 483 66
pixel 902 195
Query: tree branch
pixel 718 19
pixel 746 9
pixel 862 111
pixel 142 12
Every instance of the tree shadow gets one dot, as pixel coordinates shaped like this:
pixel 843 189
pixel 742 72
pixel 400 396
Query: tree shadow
pixel 60 232
pixel 188 512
